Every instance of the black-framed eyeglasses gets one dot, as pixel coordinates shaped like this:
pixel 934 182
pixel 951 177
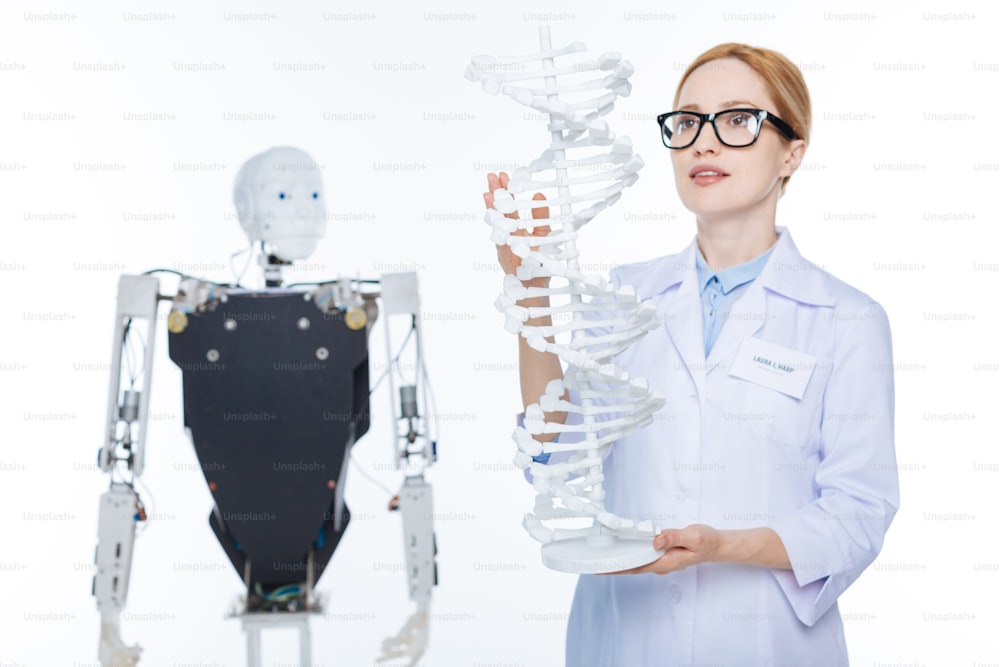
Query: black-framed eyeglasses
pixel 736 128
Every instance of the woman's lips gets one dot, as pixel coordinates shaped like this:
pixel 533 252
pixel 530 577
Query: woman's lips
pixel 706 174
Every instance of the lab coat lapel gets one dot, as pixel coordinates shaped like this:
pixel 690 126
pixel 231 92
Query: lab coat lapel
pixel 786 273
pixel 681 317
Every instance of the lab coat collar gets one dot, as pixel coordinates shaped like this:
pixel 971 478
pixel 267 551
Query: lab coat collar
pixel 791 275
pixel 786 272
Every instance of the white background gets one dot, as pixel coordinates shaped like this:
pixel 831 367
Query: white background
pixel 901 205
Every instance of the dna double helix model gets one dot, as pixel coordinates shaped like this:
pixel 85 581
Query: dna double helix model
pixel 584 170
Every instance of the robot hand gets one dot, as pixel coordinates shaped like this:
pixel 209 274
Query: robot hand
pixel 112 651
pixel 410 641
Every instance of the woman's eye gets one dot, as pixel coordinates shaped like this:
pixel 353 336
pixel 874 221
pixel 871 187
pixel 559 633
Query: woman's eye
pixel 686 124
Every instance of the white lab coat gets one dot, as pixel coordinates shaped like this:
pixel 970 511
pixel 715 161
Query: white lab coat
pixel 820 471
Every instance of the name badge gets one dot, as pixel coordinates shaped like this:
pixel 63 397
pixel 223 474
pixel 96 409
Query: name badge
pixel 773 366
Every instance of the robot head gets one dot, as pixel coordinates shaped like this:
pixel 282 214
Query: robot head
pixel 279 200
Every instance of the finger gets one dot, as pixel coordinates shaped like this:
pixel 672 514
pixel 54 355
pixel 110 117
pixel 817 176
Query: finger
pixel 635 570
pixel 496 182
pixel 504 180
pixel 668 538
pixel 674 560
pixel 655 566
pixel 669 562
pixel 492 182
pixel 540 213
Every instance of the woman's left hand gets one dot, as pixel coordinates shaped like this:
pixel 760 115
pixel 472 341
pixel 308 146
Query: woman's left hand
pixel 685 547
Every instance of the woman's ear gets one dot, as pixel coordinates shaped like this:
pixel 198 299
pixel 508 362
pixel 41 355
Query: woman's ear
pixel 793 159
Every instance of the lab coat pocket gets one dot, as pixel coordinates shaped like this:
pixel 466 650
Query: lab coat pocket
pixel 782 419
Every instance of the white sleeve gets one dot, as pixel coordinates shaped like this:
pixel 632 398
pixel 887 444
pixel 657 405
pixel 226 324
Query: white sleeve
pixel 834 538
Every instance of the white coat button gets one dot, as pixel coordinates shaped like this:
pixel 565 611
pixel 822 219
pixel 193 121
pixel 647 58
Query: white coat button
pixel 680 497
pixel 675 593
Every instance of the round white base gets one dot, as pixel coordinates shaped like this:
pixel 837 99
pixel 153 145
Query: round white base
pixel 599 554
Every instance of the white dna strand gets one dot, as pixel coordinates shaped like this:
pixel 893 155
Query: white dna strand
pixel 584 170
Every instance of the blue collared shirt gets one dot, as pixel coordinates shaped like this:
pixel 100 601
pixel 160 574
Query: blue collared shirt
pixel 720 290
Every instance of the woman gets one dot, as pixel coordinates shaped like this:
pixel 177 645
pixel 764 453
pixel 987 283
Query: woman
pixel 774 456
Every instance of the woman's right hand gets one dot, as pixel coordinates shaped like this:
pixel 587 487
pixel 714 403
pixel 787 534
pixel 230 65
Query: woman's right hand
pixel 508 260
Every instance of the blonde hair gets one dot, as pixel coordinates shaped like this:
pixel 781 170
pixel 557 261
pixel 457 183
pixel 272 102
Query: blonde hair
pixel 782 79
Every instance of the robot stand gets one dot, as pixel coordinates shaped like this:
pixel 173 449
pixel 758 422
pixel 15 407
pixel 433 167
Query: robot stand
pixel 254 624
pixel 575 171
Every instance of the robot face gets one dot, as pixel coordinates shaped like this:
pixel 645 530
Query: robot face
pixel 282 202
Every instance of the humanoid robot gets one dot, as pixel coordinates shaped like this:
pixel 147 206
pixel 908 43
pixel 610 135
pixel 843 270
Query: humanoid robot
pixel 272 377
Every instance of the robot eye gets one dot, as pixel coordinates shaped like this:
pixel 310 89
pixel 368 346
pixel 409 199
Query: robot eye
pixel 315 195
pixel 281 195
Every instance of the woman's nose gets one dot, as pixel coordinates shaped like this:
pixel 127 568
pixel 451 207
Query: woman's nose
pixel 706 141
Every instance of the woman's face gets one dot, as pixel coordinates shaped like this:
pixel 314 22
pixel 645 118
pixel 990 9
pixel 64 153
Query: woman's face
pixel 751 176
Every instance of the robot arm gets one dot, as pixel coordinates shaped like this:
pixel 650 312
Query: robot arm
pixel 124 444
pixel 122 454
pixel 128 407
pixel 415 449
pixel 415 503
pixel 120 509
